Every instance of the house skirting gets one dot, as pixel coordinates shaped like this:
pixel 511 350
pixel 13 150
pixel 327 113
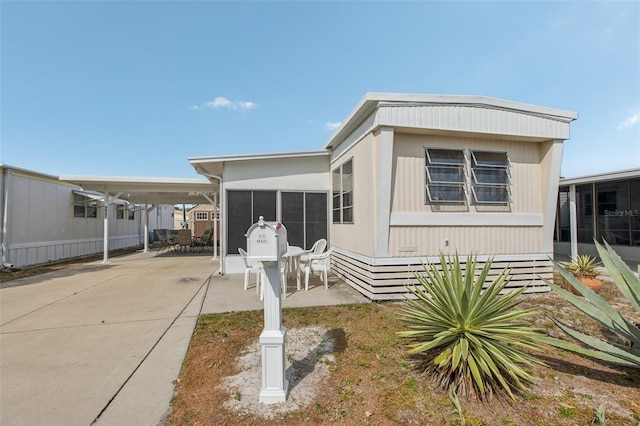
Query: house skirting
pixel 387 278
pixel 30 254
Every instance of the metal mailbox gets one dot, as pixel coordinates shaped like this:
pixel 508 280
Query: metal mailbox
pixel 266 241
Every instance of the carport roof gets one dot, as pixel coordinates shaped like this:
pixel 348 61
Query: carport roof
pixel 214 165
pixel 149 190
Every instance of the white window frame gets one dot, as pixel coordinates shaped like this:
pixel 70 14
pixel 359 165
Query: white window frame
pixel 87 204
pixel 435 186
pixel 340 194
pixel 199 216
pixel 478 185
pixel 119 211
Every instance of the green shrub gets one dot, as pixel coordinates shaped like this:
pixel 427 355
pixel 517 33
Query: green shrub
pixel 469 337
pixel 597 308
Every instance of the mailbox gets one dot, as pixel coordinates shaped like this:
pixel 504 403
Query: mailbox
pixel 266 241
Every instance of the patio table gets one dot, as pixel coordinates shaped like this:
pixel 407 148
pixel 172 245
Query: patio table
pixel 293 255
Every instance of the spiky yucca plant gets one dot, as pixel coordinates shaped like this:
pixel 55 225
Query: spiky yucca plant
pixel 470 337
pixel 597 308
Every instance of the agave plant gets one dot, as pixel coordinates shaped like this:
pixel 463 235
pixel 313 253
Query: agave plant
pixel 597 308
pixel 583 266
pixel 469 336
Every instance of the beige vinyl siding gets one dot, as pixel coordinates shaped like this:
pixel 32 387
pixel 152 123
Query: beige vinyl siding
pixel 409 171
pixel 409 197
pixel 475 119
pixel 491 240
pixel 359 236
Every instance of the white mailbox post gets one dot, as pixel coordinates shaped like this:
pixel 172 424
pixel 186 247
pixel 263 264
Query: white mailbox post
pixel 267 243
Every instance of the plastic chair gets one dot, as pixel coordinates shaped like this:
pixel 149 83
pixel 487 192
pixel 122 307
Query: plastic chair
pixel 317 263
pixel 317 248
pixel 248 269
pixel 284 275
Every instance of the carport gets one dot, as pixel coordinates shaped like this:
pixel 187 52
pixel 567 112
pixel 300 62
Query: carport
pixel 148 192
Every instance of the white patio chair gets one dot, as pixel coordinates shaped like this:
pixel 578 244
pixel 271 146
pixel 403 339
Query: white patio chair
pixel 284 276
pixel 317 264
pixel 249 269
pixel 317 248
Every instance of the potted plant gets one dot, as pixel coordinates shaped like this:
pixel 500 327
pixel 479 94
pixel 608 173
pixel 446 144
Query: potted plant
pixel 585 268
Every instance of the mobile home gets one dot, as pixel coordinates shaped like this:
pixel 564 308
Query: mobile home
pixel 410 177
pixel 45 219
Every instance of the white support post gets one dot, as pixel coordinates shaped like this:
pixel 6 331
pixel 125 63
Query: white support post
pixel 215 226
pixel 573 221
pixel 105 242
pixel 146 228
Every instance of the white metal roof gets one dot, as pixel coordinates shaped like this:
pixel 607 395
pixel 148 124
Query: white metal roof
pixel 213 166
pixel 148 190
pixel 372 100
pixel 601 177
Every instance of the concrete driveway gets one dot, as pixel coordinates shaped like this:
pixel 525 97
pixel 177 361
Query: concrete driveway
pixel 102 344
pixel 98 343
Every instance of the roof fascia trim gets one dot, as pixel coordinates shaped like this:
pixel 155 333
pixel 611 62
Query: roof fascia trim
pixel 601 177
pixel 372 100
pixel 265 156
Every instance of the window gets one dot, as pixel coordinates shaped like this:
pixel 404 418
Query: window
pixel 584 207
pixel 490 171
pixel 131 212
pixel 614 212
pixel 243 210
pixel 446 178
pixel 563 221
pixel 119 211
pixel 342 183
pixel 304 214
pixel 84 206
pixel 202 215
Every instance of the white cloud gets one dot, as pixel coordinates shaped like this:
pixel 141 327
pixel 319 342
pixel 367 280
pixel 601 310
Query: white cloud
pixel 332 125
pixel 222 102
pixel 630 122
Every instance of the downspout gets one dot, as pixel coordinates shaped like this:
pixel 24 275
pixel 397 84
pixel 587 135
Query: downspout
pixel 223 245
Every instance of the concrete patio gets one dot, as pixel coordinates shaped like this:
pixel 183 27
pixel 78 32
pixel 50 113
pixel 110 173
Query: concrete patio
pixel 102 344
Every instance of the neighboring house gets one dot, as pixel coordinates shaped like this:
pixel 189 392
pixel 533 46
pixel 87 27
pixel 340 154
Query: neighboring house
pixel 201 217
pixel 606 207
pixel 178 218
pixel 410 177
pixel 45 220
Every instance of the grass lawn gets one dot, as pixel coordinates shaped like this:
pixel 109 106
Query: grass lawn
pixel 371 380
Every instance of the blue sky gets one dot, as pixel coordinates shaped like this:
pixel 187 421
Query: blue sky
pixel 135 88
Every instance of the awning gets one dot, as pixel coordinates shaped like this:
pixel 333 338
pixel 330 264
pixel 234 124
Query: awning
pixel 144 191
